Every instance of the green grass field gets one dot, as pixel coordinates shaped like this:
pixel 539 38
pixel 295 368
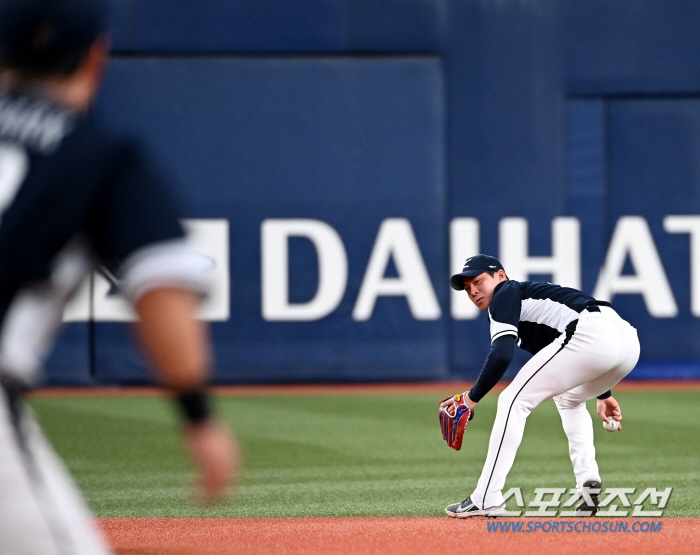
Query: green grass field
pixel 358 455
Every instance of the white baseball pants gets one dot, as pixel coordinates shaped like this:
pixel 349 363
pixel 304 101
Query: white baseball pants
pixel 41 510
pixel 603 349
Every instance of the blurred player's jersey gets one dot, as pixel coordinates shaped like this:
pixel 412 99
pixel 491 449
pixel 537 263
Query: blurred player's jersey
pixel 73 196
pixel 63 177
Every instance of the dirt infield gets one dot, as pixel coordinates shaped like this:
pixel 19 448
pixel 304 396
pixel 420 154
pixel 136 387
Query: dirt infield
pixel 398 536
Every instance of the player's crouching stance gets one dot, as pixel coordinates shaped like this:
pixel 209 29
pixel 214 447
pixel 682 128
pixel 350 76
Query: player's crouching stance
pixel 581 348
pixel 74 196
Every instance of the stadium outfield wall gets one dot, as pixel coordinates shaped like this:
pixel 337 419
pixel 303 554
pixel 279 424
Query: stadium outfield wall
pixel 340 158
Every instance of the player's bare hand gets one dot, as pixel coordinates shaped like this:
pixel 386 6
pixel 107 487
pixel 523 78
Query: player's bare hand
pixel 449 404
pixel 216 455
pixel 609 409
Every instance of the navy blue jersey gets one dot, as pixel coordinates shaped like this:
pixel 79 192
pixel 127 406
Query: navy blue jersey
pixel 536 313
pixel 62 177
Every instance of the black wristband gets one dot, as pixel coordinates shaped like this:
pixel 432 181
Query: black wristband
pixel 195 405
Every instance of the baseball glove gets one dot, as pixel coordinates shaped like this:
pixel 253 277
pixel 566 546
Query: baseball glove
pixel 453 420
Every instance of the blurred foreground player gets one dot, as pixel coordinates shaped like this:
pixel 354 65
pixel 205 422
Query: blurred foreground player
pixel 73 196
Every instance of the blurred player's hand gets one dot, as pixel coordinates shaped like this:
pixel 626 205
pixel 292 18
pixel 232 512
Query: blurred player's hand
pixel 216 455
pixel 609 409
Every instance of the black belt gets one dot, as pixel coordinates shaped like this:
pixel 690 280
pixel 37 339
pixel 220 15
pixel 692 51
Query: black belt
pixel 594 307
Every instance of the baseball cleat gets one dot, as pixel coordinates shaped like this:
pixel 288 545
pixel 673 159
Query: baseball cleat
pixel 467 508
pixel 593 488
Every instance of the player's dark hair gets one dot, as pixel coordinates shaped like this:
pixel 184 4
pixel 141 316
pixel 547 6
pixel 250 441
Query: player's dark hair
pixel 48 37
pixel 492 273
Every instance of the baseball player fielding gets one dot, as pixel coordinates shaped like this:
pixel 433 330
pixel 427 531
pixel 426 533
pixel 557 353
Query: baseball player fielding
pixel 581 348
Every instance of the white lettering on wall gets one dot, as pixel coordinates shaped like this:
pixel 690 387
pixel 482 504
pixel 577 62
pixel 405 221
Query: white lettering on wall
pixel 332 269
pixel 632 237
pixel 396 240
pixel 464 242
pixel 565 263
pixel 632 240
pixel 690 225
pixel 212 237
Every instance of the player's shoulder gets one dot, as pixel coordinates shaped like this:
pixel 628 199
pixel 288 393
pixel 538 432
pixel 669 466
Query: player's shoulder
pixel 547 290
pixel 508 288
pixel 95 147
pixel 93 135
pixel 507 293
pixel 506 302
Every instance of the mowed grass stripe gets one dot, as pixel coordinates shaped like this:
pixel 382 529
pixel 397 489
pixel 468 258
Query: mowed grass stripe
pixel 355 455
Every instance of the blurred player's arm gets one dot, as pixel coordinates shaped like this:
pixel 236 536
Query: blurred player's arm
pixel 178 344
pixel 173 337
pixel 165 282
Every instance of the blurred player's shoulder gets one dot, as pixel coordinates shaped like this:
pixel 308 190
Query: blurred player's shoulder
pixel 41 126
pixel 33 123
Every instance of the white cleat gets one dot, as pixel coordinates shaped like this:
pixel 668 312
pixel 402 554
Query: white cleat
pixel 467 508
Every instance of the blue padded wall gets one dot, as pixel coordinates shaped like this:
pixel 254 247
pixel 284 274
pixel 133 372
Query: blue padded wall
pixel 359 112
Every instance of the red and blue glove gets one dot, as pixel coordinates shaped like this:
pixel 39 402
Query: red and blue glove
pixel 454 419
